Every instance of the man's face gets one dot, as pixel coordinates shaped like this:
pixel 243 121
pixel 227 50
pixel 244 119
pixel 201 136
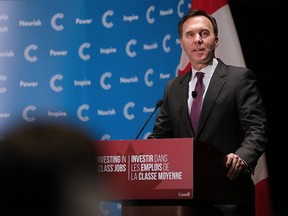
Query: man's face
pixel 199 41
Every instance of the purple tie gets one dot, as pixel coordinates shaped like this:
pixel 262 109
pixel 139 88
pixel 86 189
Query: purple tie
pixel 197 100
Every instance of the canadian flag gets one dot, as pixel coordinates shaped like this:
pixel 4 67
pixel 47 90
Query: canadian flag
pixel 229 50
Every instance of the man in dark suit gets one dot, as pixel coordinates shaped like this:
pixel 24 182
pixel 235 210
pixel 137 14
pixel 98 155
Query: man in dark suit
pixel 232 117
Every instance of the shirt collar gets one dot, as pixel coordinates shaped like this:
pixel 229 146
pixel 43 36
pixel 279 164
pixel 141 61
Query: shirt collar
pixel 208 70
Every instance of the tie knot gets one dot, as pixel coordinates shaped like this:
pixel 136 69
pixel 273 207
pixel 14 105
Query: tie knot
pixel 200 76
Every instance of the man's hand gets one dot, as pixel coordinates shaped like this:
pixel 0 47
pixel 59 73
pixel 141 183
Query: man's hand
pixel 235 165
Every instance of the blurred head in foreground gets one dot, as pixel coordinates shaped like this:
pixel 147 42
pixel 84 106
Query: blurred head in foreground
pixel 48 169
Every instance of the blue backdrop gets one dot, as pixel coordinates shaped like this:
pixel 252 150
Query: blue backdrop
pixel 101 64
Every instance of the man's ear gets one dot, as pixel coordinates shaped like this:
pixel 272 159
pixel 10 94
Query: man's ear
pixel 216 41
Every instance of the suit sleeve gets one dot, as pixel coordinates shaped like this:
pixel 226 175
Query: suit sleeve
pixel 253 120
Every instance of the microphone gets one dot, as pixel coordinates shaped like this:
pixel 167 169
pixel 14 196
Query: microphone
pixel 158 104
pixel 194 94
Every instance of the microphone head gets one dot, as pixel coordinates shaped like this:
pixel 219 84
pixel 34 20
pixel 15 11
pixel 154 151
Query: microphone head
pixel 159 103
pixel 194 94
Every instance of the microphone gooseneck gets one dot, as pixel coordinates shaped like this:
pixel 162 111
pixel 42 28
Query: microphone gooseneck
pixel 158 104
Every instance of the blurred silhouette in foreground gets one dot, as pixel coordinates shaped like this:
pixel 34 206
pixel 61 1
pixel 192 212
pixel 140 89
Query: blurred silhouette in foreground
pixel 48 169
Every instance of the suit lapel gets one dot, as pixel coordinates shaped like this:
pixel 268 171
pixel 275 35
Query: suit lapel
pixel 184 87
pixel 216 84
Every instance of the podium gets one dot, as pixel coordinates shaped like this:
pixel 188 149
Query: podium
pixel 166 176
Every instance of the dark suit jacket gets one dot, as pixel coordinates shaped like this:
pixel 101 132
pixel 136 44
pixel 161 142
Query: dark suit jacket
pixel 232 118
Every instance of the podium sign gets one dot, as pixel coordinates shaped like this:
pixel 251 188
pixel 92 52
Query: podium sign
pixel 146 169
